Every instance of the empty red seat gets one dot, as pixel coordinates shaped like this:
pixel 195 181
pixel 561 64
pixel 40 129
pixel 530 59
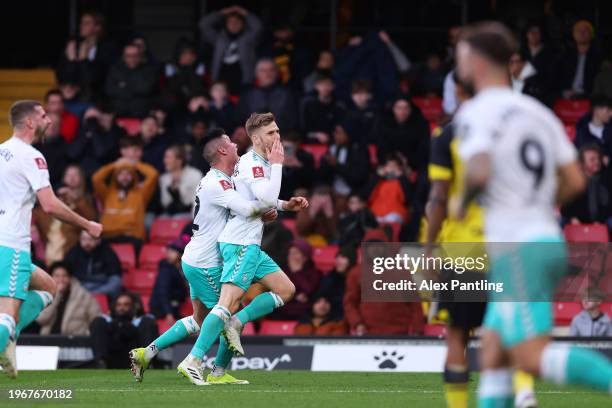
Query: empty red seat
pixel 586 233
pixel 164 230
pixel 571 110
pixel 150 255
pixel 130 125
pixel 324 258
pixel 126 255
pixel 139 280
pixel 163 325
pixel 277 327
pixel 317 151
pixel 571 132
pixel 290 225
pixel 436 330
pixel 607 308
pixel 564 312
pixel 102 300
pixel 430 106
pixel 249 329
pixel 373 152
pixel 146 298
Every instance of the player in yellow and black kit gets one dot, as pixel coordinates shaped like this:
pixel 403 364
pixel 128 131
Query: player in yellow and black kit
pixel 446 173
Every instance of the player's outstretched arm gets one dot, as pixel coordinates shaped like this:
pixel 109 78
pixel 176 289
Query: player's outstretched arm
pixel 54 206
pixel 294 204
pixel 571 182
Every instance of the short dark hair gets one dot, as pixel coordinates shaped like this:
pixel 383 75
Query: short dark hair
pixel 130 141
pixel 600 101
pixel 590 147
pixel 179 152
pixel 361 85
pixel 20 110
pixel 52 92
pixel 60 264
pixel 210 146
pixel 491 39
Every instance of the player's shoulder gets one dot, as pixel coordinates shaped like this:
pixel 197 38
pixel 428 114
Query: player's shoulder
pixel 214 180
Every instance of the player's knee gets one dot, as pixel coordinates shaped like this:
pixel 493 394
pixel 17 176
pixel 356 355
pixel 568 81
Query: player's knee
pixel 491 354
pixel 287 291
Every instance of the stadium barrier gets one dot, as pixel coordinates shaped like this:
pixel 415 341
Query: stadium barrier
pixel 269 353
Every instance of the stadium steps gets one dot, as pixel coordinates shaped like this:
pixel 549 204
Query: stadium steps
pixel 21 84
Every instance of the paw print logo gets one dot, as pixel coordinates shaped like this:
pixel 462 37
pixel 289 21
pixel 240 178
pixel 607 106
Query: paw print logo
pixel 388 360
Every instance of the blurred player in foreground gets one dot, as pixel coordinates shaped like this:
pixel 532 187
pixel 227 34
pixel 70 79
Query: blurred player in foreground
pixel 522 162
pixel 201 261
pixel 25 289
pixel 257 177
pixel 446 172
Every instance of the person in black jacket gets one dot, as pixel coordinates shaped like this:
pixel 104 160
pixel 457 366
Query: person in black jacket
pixel 184 77
pixel 112 337
pixel 332 283
pixel 95 265
pixel 170 285
pixel 131 84
pixel 362 113
pixel 353 225
pixel 298 167
pixel 320 113
pixel 594 128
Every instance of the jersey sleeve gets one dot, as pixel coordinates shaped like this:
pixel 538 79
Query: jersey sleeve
pixel 35 169
pixel 440 161
pixel 222 193
pixel 475 131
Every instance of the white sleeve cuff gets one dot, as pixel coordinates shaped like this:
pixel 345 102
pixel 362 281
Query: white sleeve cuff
pixel 279 205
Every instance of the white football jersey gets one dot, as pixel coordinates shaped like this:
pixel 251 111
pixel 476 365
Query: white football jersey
pixel 250 169
pixel 210 214
pixel 23 171
pixel 527 144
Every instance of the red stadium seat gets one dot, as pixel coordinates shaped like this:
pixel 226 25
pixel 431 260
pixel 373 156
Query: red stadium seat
pixel 277 327
pixel 130 125
pixel 249 329
pixel 373 152
pixel 430 106
pixel 317 151
pixel 150 255
pixel 570 111
pixel 139 280
pixel 163 325
pixel 435 330
pixel 395 229
pixel 126 255
pixel 607 308
pixel 164 230
pixel 586 233
pixel 290 225
pixel 186 308
pixel 102 300
pixel 571 132
pixel 564 312
pixel 146 298
pixel 324 258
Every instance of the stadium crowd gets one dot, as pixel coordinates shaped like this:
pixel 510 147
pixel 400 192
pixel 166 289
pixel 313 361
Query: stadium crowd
pixel 126 146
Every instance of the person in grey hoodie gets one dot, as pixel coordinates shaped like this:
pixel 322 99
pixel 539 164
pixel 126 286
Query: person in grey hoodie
pixel 234 45
pixel 591 322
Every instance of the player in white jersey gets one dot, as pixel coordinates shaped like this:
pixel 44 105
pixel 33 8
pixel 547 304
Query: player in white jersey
pixel 521 163
pixel 24 288
pixel 201 261
pixel 257 176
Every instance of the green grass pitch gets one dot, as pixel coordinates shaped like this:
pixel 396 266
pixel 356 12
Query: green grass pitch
pixel 295 389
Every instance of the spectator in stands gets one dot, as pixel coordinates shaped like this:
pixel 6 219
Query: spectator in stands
pixel 154 144
pixel 131 84
pixel 268 95
pixel 298 167
pixel 305 277
pixel 89 56
pixel 68 122
pixel 580 64
pixel 378 318
pixel 195 144
pixel 324 67
pixel 97 141
pixel 347 164
pixel 112 337
pixel 124 198
pixel 526 80
pixel 603 81
pixel 74 99
pixel 290 58
pixel 276 241
pixel 320 113
pixel 73 308
pixel 170 289
pixel 320 321
pixel 221 110
pixel 595 128
pixel 177 186
pixel 595 203
pixel 54 147
pixel 94 263
pixel 362 113
pixel 391 191
pixel 318 222
pixel 333 283
pixel 428 78
pixel 539 55
pixel 234 45
pixel 591 322
pixel 355 222
pixel 58 236
pixel 184 76
pixel 146 55
pixel 403 130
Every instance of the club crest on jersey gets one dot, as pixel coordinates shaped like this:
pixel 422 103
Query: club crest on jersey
pixel 258 172
pixel 225 184
pixel 41 163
